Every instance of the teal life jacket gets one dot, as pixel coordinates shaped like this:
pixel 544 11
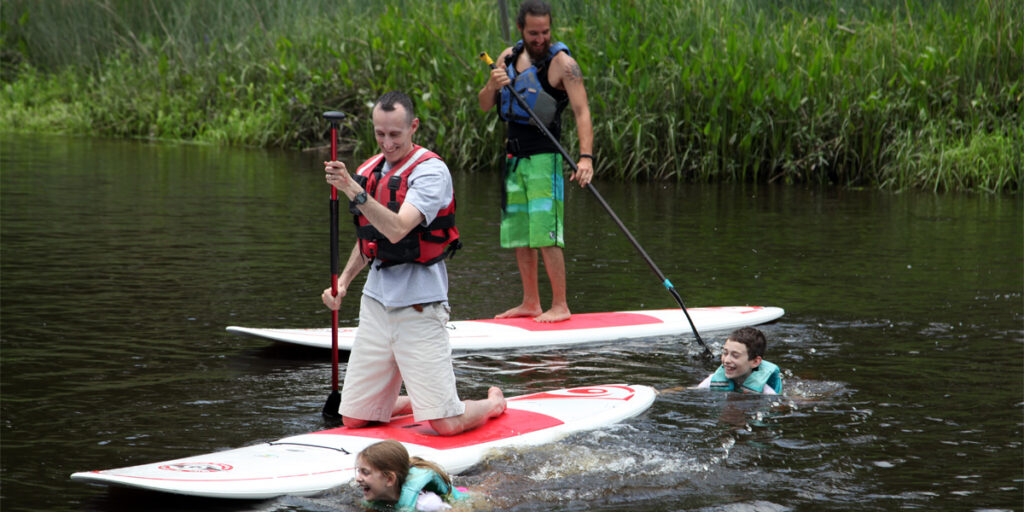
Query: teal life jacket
pixel 419 479
pixel 532 84
pixel 765 373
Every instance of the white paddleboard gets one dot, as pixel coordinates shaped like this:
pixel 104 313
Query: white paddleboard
pixel 510 333
pixel 311 463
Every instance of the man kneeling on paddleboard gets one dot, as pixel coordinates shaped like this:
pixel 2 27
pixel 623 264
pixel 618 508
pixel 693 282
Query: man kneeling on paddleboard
pixel 743 368
pixel 404 206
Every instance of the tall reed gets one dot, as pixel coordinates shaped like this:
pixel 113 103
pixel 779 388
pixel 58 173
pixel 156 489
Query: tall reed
pixel 849 92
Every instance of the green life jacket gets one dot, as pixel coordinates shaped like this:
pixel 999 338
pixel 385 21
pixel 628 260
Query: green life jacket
pixel 419 479
pixel 765 373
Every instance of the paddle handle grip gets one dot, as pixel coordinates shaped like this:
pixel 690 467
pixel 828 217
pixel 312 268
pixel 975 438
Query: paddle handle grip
pixel 487 59
pixel 334 117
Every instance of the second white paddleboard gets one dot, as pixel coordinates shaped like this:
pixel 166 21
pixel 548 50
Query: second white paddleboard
pixel 510 333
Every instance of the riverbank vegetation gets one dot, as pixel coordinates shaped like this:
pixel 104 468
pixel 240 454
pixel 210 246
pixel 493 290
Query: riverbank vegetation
pixel 916 93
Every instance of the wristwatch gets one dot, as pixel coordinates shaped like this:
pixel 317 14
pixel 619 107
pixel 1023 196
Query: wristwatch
pixel 360 198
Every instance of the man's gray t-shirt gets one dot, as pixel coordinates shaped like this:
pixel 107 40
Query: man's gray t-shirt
pixel 430 190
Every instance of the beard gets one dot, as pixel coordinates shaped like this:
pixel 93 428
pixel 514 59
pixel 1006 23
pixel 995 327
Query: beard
pixel 538 55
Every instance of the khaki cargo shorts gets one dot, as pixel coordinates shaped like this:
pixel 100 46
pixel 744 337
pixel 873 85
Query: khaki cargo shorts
pixel 393 345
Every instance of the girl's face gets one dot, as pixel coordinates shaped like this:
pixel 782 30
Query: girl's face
pixel 375 484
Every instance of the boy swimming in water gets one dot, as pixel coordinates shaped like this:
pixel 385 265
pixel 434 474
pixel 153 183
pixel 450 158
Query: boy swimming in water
pixel 743 368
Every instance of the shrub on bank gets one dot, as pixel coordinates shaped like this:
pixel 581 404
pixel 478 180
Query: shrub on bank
pixel 852 92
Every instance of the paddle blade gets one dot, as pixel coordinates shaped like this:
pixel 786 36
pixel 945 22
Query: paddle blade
pixel 333 405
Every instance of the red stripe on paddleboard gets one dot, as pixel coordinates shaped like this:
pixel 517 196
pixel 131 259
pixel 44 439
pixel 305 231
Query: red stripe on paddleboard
pixel 578 321
pixel 513 423
pixel 588 393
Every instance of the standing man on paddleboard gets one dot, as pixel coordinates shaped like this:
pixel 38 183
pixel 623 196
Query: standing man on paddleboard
pixel 533 200
pixel 404 206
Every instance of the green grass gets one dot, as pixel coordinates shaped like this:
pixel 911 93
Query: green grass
pixel 876 93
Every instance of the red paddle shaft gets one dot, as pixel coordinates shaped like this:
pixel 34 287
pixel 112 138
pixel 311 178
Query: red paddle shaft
pixel 334 263
pixel 334 400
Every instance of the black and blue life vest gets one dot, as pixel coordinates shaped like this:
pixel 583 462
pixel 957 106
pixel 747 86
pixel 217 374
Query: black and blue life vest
pixel 546 101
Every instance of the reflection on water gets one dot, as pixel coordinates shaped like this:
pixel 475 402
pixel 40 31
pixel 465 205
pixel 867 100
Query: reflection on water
pixel 122 262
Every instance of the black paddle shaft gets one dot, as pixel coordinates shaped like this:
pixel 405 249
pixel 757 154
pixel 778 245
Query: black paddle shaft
pixel 572 163
pixel 335 118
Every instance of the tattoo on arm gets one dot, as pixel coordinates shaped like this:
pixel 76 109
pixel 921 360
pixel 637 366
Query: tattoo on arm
pixel 573 72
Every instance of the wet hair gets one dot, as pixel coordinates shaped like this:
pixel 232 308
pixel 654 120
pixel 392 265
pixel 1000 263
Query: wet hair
pixel 390 456
pixel 752 338
pixel 533 8
pixel 389 100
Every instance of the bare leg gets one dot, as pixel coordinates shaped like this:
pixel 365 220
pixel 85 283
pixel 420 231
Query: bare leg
pixel 477 413
pixel 403 405
pixel 527 260
pixel 554 263
pixel 351 422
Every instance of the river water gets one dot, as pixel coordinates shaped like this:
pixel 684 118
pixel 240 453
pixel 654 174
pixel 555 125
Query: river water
pixel 902 343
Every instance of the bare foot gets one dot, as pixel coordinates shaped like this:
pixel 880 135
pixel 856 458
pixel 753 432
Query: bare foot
pixel 521 311
pixel 556 314
pixel 495 395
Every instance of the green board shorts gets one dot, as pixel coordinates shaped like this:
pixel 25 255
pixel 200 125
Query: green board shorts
pixel 535 202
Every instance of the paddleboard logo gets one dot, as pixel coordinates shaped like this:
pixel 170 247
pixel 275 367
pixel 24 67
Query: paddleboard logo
pixel 613 392
pixel 197 467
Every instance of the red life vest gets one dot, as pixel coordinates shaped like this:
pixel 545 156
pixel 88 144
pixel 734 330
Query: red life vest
pixel 424 244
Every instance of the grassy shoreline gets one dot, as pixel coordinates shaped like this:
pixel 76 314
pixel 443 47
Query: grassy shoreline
pixel 914 94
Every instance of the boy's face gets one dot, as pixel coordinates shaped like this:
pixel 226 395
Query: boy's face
pixel 375 484
pixel 734 359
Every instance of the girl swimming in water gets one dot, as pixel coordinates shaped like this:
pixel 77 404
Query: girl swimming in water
pixel 391 480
